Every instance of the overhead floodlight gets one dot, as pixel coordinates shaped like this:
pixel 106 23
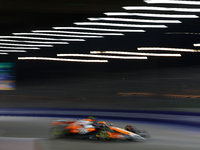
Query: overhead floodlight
pixel 12 51
pixel 62 59
pixel 182 33
pixel 37 38
pixel 120 25
pixel 161 9
pixel 197 45
pixel 5 47
pixel 172 2
pixel 69 32
pixel 134 20
pixel 28 45
pixel 36 42
pixel 59 35
pixel 97 29
pixel 150 15
pixel 135 53
pixel 166 49
pixel 3 53
pixel 101 56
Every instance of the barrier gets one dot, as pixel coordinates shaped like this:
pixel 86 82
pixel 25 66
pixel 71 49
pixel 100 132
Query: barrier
pixel 183 118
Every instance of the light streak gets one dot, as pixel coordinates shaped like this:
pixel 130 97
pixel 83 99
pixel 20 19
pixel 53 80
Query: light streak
pixel 166 49
pixel 197 44
pixel 62 59
pixel 161 9
pixel 59 35
pixel 150 15
pixel 12 51
pixel 37 38
pixel 19 47
pixel 26 45
pixel 120 25
pixel 172 2
pixel 134 20
pixel 135 53
pixel 68 32
pixel 101 56
pixel 97 29
pixel 3 53
pixel 36 42
pixel 182 33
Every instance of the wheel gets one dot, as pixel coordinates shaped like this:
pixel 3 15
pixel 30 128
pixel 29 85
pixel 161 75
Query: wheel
pixel 103 135
pixel 56 132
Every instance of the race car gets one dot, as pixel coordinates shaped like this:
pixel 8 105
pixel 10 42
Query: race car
pixel 92 129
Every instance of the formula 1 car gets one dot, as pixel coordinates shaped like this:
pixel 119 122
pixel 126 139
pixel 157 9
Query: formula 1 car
pixel 92 129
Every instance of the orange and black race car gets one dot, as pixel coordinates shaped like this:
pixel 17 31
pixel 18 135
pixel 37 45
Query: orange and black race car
pixel 92 129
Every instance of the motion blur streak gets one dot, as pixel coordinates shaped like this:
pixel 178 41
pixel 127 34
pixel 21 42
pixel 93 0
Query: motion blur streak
pixel 136 53
pixel 26 45
pixel 3 53
pixel 7 76
pixel 172 2
pixel 135 20
pixel 37 38
pixel 166 49
pixel 120 25
pixel 101 56
pixel 182 33
pixel 160 95
pixel 97 29
pixel 161 9
pixel 87 33
pixel 150 15
pixel 12 51
pixel 36 42
pixel 196 44
pixel 61 59
pixel 19 47
pixel 62 35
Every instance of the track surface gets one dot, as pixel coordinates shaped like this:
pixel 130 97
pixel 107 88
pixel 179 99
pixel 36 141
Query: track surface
pixel 33 133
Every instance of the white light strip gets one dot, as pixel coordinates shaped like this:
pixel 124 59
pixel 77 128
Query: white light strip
pixel 60 35
pixel 12 51
pixel 3 53
pixel 134 20
pixel 197 45
pixel 182 33
pixel 161 9
pixel 62 59
pixel 68 32
pixel 166 49
pixel 172 2
pixel 26 45
pixel 36 42
pixel 19 47
pixel 150 15
pixel 97 29
pixel 120 25
pixel 101 56
pixel 36 38
pixel 135 53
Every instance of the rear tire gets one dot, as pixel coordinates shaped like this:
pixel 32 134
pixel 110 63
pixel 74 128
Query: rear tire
pixel 103 135
pixel 57 132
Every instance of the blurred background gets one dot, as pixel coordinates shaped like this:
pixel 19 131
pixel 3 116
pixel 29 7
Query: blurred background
pixel 154 80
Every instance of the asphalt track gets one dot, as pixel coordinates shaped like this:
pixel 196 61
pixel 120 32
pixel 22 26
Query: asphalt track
pixel 32 133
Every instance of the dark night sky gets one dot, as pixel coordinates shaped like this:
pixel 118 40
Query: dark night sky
pixel 24 16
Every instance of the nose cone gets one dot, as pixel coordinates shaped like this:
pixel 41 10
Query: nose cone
pixel 138 138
